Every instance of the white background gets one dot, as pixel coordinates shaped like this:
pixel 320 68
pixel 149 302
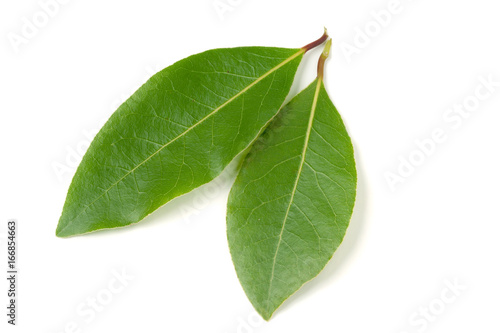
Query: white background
pixel 441 224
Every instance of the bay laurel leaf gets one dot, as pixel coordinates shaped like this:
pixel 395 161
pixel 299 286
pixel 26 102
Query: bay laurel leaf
pixel 292 200
pixel 177 132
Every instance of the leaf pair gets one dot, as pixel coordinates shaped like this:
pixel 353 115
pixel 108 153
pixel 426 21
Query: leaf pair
pixel 292 200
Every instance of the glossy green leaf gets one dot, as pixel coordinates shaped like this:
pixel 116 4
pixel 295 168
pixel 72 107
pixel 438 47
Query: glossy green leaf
pixel 291 203
pixel 177 132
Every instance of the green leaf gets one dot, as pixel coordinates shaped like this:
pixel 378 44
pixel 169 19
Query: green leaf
pixel 177 132
pixel 291 203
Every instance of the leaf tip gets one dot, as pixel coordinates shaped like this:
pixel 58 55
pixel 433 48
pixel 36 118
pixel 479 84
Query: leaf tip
pixel 62 230
pixel 60 233
pixel 266 314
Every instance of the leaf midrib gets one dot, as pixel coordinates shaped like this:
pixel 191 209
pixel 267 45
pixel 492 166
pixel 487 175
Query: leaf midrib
pixel 301 51
pixel 294 190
